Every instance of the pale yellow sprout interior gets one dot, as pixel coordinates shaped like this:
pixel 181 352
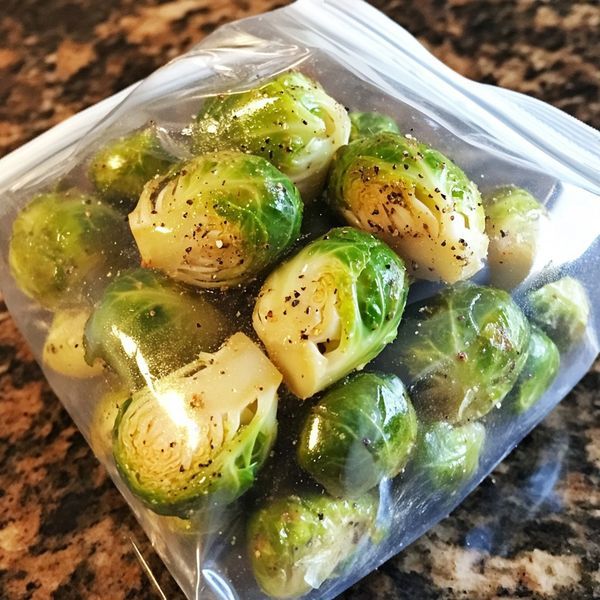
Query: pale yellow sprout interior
pixel 64 351
pixel 301 317
pixel 190 243
pixel 426 228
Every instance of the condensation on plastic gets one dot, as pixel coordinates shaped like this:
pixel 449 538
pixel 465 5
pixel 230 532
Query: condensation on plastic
pixel 366 62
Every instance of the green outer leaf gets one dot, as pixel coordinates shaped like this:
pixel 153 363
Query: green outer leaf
pixel 167 323
pixel 120 169
pixel 561 309
pixel 242 198
pixel 296 543
pixel 462 351
pixel 449 454
pixel 61 243
pixel 371 123
pixel 543 362
pixel 362 430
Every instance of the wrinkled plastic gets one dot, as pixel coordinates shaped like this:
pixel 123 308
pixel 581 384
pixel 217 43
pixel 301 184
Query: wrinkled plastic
pixel 367 63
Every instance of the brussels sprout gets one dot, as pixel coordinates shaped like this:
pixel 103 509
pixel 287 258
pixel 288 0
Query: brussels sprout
pixel 450 454
pixel 515 222
pixel 146 325
pixel 290 121
pixel 103 421
pixel 295 544
pixel 370 123
pixel 462 351
pixel 362 430
pixel 197 436
pixel 120 169
pixel 331 309
pixel 61 243
pixel 218 220
pixel 63 350
pixel 562 310
pixel 416 200
pixel 541 367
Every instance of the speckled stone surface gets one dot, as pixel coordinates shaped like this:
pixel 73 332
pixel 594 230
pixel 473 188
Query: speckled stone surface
pixel 531 530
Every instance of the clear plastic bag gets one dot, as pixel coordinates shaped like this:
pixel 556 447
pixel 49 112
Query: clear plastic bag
pixel 366 63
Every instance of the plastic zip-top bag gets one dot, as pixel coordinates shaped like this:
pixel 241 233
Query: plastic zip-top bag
pixel 302 289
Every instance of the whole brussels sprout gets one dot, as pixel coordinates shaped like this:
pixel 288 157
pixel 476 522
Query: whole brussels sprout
pixel 361 431
pixel 450 454
pixel 415 199
pixel 462 351
pixel 370 123
pixel 562 310
pixel 218 220
pixel 296 543
pixel 146 325
pixel 198 436
pixel 64 351
pixel 541 367
pixel 290 121
pixel 515 223
pixel 331 308
pixel 61 244
pixel 120 169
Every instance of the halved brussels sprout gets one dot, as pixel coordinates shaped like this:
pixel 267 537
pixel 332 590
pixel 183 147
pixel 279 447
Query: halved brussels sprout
pixel 147 325
pixel 296 543
pixel 541 367
pixel 562 310
pixel 218 220
pixel 331 308
pixel 450 454
pixel 361 431
pixel 199 435
pixel 290 121
pixel 462 351
pixel 103 421
pixel 515 223
pixel 61 243
pixel 415 199
pixel 64 351
pixel 370 123
pixel 120 169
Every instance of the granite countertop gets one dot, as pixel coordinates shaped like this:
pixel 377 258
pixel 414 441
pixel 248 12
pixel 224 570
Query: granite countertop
pixel 531 530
